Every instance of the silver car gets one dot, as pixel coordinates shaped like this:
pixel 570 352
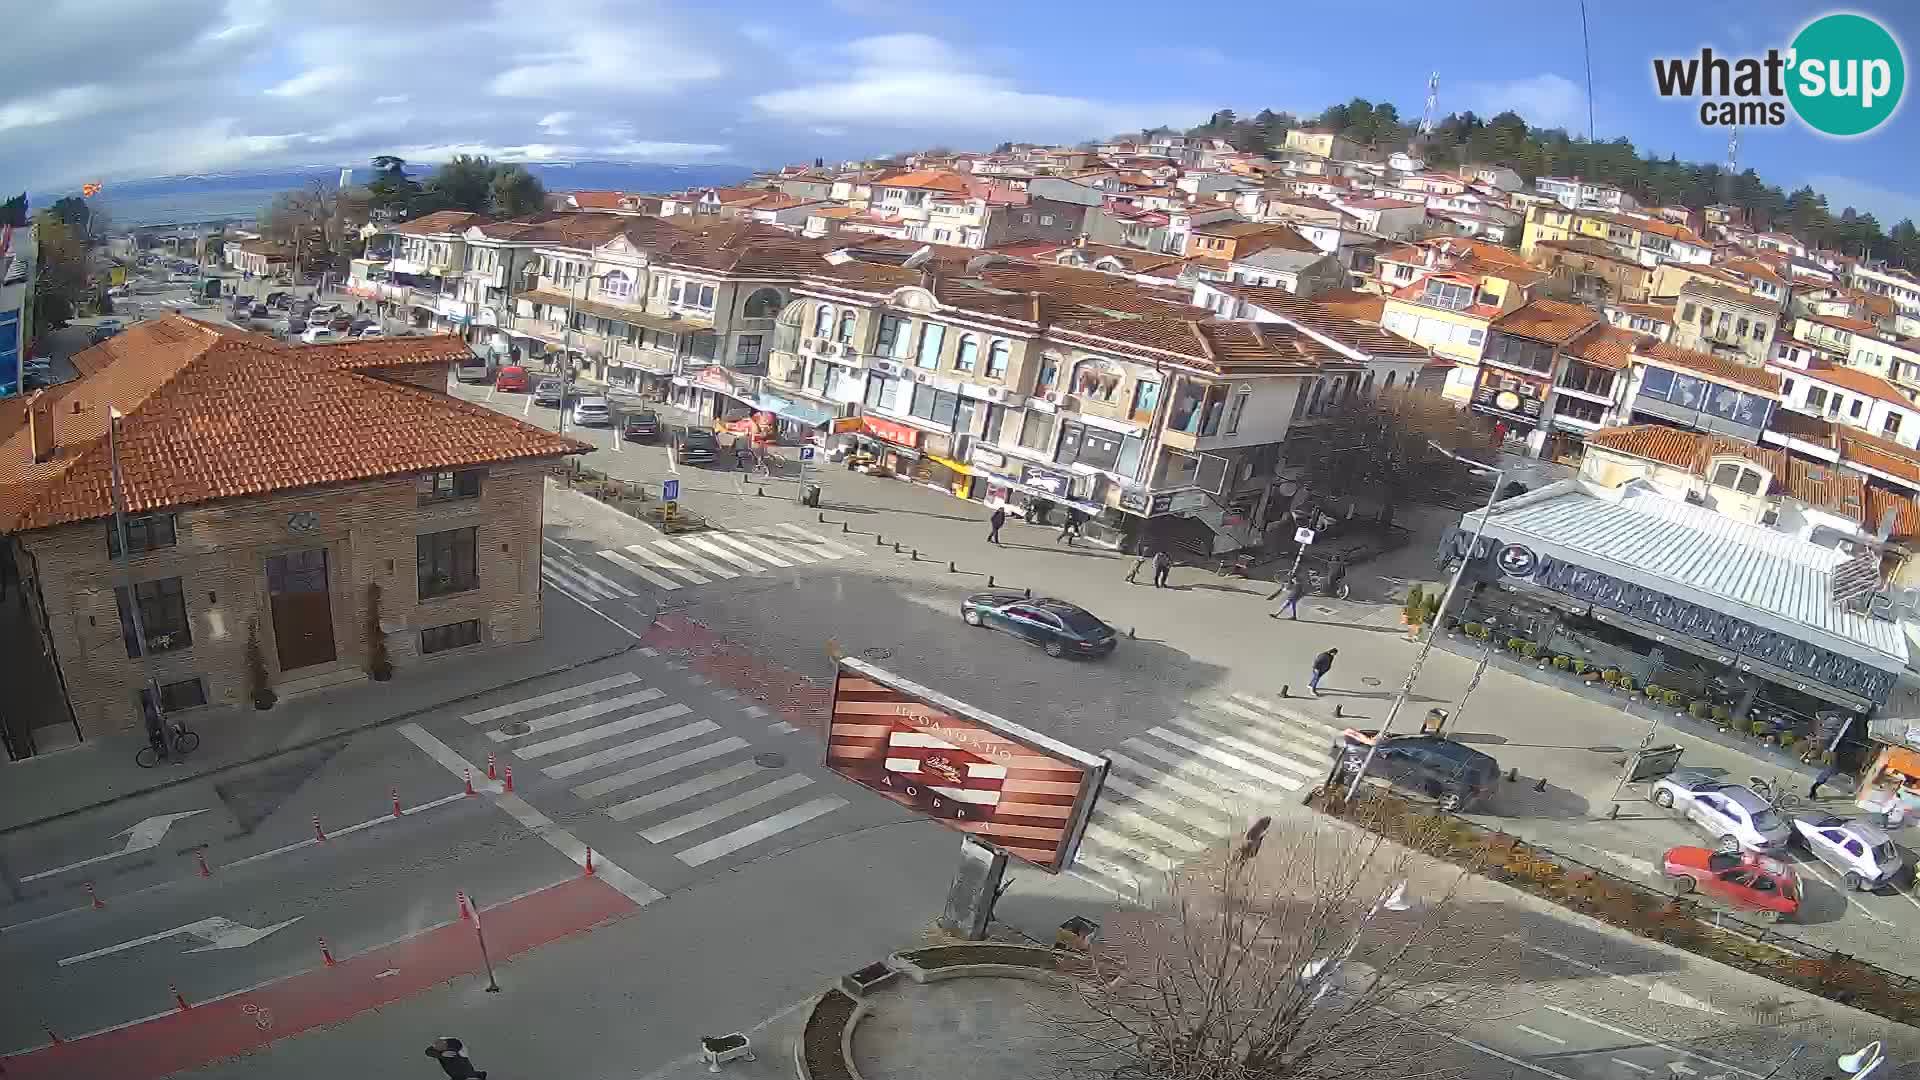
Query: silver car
pixel 1724 811
pixel 592 412
pixel 1862 852
pixel 547 392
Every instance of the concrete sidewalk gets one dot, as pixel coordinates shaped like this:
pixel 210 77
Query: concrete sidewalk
pixel 101 770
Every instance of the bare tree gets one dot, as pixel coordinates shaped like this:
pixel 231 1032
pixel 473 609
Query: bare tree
pixel 1375 447
pixel 1311 950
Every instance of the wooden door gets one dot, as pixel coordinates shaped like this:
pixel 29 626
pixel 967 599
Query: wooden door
pixel 302 611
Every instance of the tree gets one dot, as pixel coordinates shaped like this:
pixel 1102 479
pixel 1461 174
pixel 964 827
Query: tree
pixel 391 190
pixel 1375 449
pixel 14 211
pixel 514 191
pixel 464 183
pixel 60 279
pixel 1317 951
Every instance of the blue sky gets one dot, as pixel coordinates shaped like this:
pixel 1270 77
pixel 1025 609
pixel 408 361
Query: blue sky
pixel 116 88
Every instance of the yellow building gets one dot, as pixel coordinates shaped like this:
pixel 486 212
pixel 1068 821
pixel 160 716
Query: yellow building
pixel 1449 310
pixel 1545 221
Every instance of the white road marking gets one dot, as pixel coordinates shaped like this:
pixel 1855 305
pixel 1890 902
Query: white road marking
pixel 1115 815
pixel 1211 826
pixel 1118 845
pixel 741 545
pixel 611 586
pixel 1237 784
pixel 573 584
pixel 601 731
pixel 637 570
pixel 829 549
pixel 752 834
pixel 781 727
pixel 1234 742
pixel 578 713
pixel 623 751
pixel 615 623
pixel 726 808
pixel 144 834
pixel 218 931
pixel 662 561
pixel 1623 1032
pixel 680 550
pixel 1232 761
pixel 560 839
pixel 500 712
pixel 781 549
pixel 1157 782
pixel 711 548
pixel 1538 1034
pixel 652 770
pixel 680 792
pixel 1634 1065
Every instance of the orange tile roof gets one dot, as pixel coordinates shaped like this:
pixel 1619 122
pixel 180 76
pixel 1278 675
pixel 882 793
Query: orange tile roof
pixel 1856 380
pixel 1878 454
pixel 1682 449
pixel 1906 513
pixel 367 354
pixel 1609 347
pixel 211 413
pixel 1553 321
pixel 1725 294
pixel 597 200
pixel 441 221
pixel 1714 367
pixel 1316 315
pixel 1841 322
pixel 934 179
pixel 1353 304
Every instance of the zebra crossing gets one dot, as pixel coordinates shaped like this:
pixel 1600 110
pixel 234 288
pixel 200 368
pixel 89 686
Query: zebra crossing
pixel 682 780
pixel 1195 781
pixel 688 559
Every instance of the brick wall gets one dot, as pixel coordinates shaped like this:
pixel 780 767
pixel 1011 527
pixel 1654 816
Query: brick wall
pixel 369 531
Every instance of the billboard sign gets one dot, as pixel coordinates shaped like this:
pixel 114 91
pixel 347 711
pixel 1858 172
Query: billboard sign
pixel 1008 787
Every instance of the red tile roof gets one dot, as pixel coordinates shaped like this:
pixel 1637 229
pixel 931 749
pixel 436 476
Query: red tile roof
pixel 1609 347
pixel 365 355
pixel 1553 321
pixel 441 221
pixel 1851 378
pixel 1353 304
pixel 1718 368
pixel 215 413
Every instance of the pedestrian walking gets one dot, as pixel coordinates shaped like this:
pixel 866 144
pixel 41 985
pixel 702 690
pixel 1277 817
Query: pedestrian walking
pixel 1070 531
pixel 998 519
pixel 1295 589
pixel 1162 565
pixel 1827 772
pixel 1133 575
pixel 1256 835
pixel 1321 665
pixel 1037 511
pixel 451 1053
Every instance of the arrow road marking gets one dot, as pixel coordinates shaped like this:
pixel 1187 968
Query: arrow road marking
pixel 145 834
pixel 1679 1068
pixel 217 931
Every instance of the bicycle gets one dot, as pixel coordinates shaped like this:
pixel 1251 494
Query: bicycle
pixel 182 743
pixel 1775 794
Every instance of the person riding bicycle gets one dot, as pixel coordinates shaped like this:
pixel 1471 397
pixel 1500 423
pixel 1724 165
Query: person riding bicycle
pixel 156 728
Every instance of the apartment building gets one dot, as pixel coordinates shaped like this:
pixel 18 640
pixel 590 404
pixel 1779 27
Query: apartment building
pixel 287 530
pixel 1727 322
pixel 1589 271
pixel 1520 364
pixel 1575 193
pixel 19 250
pixel 1900 286
pixel 1449 306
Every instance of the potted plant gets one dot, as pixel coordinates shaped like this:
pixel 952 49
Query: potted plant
pixel 1758 728
pixel 1515 644
pixel 1563 663
pixel 1414 611
pixel 1610 676
pixel 1653 691
pixel 1699 710
pixel 379 664
pixel 263 696
pixel 1626 684
pixel 1531 650
pixel 1475 630
pixel 1722 714
pixel 1673 698
pixel 1787 739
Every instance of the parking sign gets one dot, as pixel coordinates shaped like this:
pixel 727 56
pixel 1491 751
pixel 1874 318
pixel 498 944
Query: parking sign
pixel 670 489
pixel 806 453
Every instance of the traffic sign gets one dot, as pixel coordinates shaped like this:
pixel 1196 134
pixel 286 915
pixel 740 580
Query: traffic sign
pixel 670 489
pixel 670 509
pixel 1303 535
pixel 806 453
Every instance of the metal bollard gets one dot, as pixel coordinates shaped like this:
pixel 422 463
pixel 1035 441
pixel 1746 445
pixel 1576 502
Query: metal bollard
pixel 845 528
pixel 989 581
pixel 822 517
pixel 952 569
pixel 1541 785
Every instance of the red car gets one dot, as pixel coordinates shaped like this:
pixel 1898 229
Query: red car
pixel 1746 880
pixel 512 379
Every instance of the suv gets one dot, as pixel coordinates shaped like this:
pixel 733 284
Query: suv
pixel 644 424
pixel 591 412
pixel 1454 775
pixel 696 445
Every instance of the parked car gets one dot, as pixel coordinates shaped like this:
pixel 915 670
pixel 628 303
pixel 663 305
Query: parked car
pixel 342 322
pixel 1728 812
pixel 278 299
pixel 511 380
pixel 548 392
pixel 696 446
pixel 1453 775
pixel 1862 852
pixel 473 368
pixel 1756 883
pixel 592 412
pixel 259 311
pixel 105 329
pixel 326 309
pixel 1060 628
pixel 315 335
pixel 371 330
pixel 644 424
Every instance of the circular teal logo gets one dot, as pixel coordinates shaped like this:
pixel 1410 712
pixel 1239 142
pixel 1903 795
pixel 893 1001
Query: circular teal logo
pixel 1847 76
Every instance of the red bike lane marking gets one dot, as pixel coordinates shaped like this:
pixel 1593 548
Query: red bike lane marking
pixel 324 996
pixel 798 699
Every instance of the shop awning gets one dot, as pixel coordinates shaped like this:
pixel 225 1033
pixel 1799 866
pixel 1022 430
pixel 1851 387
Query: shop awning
pixel 800 411
pixel 960 468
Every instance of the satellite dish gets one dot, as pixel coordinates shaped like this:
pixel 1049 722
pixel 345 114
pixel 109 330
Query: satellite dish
pixel 919 258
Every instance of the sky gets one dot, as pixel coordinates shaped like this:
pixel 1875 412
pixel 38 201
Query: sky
pixel 106 89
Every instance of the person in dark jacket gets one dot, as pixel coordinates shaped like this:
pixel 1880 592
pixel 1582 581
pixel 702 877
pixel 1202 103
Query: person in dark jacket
pixel 998 519
pixel 452 1056
pixel 1321 665
pixel 1295 589
pixel 1162 565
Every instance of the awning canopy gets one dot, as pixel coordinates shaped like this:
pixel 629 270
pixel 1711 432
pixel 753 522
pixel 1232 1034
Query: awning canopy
pixel 804 412
pixel 617 313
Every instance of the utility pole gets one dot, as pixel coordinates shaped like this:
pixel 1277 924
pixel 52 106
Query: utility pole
pixel 151 692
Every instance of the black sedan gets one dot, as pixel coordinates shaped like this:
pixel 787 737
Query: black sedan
pixel 697 445
pixel 1055 625
pixel 644 424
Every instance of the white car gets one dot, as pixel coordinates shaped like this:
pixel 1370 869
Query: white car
pixel 1863 853
pixel 315 335
pixel 374 330
pixel 592 412
pixel 1722 810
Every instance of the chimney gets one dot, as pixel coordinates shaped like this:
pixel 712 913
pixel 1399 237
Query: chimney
pixel 40 425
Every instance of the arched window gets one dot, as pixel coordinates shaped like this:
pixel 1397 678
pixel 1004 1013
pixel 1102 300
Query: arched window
pixel 1391 375
pixel 1313 403
pixel 616 284
pixel 764 304
pixel 997 360
pixel 846 327
pixel 1366 387
pixel 1097 379
pixel 969 352
pixel 823 321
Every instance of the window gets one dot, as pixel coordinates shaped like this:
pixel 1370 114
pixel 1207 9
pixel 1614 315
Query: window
pixel 163 615
pixel 617 285
pixel 1026 219
pixel 817 377
pixel 823 321
pixel 1146 396
pixel 146 532
pixel 1449 295
pixel 1786 388
pixel 845 333
pixel 673 297
pixel 1760 330
pixel 936 406
pixel 1089 446
pixel 1097 379
pixel 1036 431
pixel 454 484
pixel 185 694
pixel 659 284
pixel 893 336
pixel 1519 352
pixel 965 356
pixel 1855 410
pixel 931 337
pixel 763 304
pixel 1891 425
pixel 1816 397
pixel 746 351
pixel 1239 406
pixel 883 393
pixel 1049 374
pixel 1046 219
pixel 451 636
pixel 446 562
pixel 997 360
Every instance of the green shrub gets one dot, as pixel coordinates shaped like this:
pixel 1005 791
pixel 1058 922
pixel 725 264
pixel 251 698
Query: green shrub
pixel 1476 630
pixel 1653 691
pixel 1787 739
pixel 1415 608
pixel 1563 663
pixel 1515 644
pixel 1581 665
pixel 1699 710
pixel 1627 683
pixel 1758 727
pixel 1610 676
pixel 1530 650
pixel 1722 714
pixel 1673 698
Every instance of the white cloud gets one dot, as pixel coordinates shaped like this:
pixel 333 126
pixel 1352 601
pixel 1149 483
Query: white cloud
pixel 390 99
pixel 59 106
pixel 918 83
pixel 1886 205
pixel 587 47
pixel 313 81
pixel 555 123
pixel 1545 100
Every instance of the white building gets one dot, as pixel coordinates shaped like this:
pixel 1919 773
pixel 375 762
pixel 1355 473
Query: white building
pixel 18 252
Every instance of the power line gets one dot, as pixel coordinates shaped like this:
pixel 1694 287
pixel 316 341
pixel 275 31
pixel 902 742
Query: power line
pixel 1586 47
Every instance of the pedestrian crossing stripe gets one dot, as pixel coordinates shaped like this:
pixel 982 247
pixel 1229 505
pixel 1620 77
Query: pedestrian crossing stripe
pixel 671 565
pixel 637 570
pixel 692 558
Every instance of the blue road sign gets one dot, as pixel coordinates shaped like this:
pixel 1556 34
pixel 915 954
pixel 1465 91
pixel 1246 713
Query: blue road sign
pixel 806 453
pixel 670 490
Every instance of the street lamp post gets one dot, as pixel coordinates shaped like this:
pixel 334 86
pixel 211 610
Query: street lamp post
pixel 1446 601
pixel 152 689
pixel 1864 1060
pixel 566 347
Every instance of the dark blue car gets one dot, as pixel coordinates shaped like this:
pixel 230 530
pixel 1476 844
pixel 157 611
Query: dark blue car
pixel 1062 629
